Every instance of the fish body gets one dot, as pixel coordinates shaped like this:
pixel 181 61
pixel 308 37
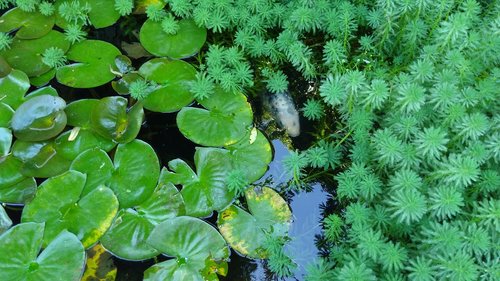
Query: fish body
pixel 282 108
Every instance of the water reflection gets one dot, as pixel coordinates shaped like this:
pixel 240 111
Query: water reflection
pixel 307 209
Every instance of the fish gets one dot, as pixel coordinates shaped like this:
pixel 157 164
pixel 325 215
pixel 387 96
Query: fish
pixel 283 110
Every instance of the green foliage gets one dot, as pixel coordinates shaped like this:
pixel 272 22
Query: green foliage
pixel 5 41
pixel 54 57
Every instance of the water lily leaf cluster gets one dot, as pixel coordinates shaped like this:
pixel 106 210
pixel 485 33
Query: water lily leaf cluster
pixel 71 155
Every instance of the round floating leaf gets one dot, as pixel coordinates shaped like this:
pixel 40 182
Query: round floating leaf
pixel 5 141
pixel 95 163
pixel 14 86
pixel 225 120
pixel 15 188
pixel 192 242
pixel 102 13
pixel 39 118
pixel 5 221
pixel 59 204
pixel 186 42
pixel 42 91
pixel 251 156
pixel 70 146
pixel 79 112
pixel 40 159
pixel 99 265
pixel 126 238
pixel 23 243
pixel 31 24
pixel 43 79
pixel 30 62
pixel 6 113
pixel 94 59
pixel 174 78
pixel 111 119
pixel 204 191
pixel 246 232
pixel 5 68
pixel 137 170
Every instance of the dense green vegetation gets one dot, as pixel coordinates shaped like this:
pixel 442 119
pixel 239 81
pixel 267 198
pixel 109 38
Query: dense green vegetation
pixel 404 101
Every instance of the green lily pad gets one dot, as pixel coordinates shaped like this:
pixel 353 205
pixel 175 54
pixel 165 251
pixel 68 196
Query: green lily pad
pixel 204 191
pixel 102 13
pixel 126 238
pixel 23 243
pixel 30 62
pixel 186 42
pixel 31 25
pixel 173 78
pixel 58 203
pixel 191 242
pixel 5 221
pixel 224 121
pixel 5 141
pixel 132 177
pixel 69 146
pixel 246 232
pixel 121 86
pixel 6 113
pixel 15 188
pixel 95 163
pixel 43 79
pixel 79 112
pixel 251 155
pixel 93 61
pixel 48 90
pixel 137 170
pixel 40 159
pixel 111 119
pixel 39 118
pixel 14 86
pixel 5 68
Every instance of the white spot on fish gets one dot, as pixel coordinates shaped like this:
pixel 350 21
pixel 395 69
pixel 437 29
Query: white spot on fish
pixel 283 110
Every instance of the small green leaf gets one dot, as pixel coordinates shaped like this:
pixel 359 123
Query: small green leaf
pixel 5 221
pixel 15 188
pixel 173 78
pixel 225 120
pixel 30 62
pixel 79 112
pixel 58 203
pixel 6 113
pixel 69 147
pixel 14 86
pixel 31 25
pixel 5 141
pixel 39 118
pixel 97 165
pixel 93 63
pixel 111 119
pixel 40 159
pixel 191 241
pixel 204 191
pixel 186 42
pixel 23 243
pixel 246 232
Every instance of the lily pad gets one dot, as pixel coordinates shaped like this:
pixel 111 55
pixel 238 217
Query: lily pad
pixel 204 191
pixel 14 86
pixel 70 146
pixel 40 159
pixel 15 188
pixel 186 42
pixel 111 119
pixel 5 141
pixel 30 62
pixel 5 221
pixel 224 121
pixel 39 118
pixel 6 113
pixel 102 13
pixel 173 78
pixel 58 203
pixel 23 243
pixel 246 232
pixel 31 24
pixel 126 238
pixel 93 61
pixel 251 155
pixel 43 79
pixel 191 242
pixel 132 177
pixel 79 112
